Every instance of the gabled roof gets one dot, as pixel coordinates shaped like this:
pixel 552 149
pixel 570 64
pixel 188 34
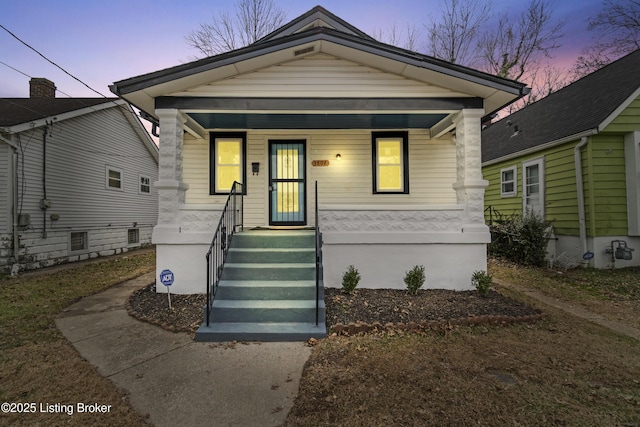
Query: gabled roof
pixel 20 114
pixel 318 31
pixel 14 111
pixel 585 106
pixel 316 17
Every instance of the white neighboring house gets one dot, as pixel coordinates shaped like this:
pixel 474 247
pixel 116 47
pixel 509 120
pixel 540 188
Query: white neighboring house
pixel 407 190
pixel 76 179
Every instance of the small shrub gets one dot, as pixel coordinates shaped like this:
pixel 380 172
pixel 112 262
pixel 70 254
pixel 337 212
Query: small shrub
pixel 350 279
pixel 414 279
pixel 482 281
pixel 521 238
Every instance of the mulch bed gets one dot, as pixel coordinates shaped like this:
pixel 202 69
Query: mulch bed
pixel 362 311
pixel 367 310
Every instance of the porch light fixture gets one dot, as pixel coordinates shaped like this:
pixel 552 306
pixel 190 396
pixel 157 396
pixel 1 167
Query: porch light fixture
pixel 255 168
pixel 338 156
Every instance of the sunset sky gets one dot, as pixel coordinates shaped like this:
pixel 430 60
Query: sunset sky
pixel 101 42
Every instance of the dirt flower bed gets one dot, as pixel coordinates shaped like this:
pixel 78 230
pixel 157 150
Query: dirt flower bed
pixel 360 311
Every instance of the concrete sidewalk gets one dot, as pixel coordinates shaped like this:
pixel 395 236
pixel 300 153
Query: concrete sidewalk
pixel 178 381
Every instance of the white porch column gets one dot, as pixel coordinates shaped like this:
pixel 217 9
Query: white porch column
pixel 171 188
pixel 469 184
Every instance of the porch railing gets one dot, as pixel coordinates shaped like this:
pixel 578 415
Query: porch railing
pixel 494 214
pixel 230 220
pixel 318 256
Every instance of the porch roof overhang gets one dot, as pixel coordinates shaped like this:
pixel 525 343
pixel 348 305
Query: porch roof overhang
pixel 154 90
pixel 316 113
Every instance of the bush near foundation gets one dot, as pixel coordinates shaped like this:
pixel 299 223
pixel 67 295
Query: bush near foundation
pixel 521 238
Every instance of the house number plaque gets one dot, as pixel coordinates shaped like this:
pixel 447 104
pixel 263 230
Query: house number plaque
pixel 320 163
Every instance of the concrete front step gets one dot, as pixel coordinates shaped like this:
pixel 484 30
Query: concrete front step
pixel 277 311
pixel 271 255
pixel 248 331
pixel 269 271
pixel 266 289
pixel 274 239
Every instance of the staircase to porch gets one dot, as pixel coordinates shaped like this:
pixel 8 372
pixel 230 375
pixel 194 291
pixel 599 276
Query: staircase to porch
pixel 267 290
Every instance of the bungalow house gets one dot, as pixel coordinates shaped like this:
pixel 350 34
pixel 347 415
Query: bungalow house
pixel 574 158
pixel 390 136
pixel 76 179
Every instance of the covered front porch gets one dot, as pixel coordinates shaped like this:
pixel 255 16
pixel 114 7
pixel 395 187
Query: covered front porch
pixel 391 136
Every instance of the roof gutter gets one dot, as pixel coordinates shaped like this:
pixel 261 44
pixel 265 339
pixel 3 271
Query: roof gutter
pixel 544 146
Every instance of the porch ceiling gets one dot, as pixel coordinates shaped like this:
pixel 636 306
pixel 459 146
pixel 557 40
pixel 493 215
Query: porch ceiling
pixel 315 121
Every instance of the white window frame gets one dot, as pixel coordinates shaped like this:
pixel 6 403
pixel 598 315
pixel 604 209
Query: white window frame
pixel 140 185
pixel 114 169
pixel 525 165
pixel 632 168
pixel 514 182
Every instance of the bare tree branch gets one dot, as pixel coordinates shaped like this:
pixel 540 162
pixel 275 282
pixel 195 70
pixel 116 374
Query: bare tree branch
pixel 453 36
pixel 616 31
pixel 253 20
pixel 393 36
pixel 517 44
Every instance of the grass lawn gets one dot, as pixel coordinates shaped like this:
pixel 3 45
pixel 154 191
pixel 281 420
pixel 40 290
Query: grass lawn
pixel 560 371
pixel 38 365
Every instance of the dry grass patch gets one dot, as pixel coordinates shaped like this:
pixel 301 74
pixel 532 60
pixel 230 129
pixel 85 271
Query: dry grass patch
pixel 560 371
pixel 38 365
pixel 614 294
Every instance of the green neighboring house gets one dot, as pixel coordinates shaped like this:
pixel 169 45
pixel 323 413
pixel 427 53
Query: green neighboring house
pixel 592 126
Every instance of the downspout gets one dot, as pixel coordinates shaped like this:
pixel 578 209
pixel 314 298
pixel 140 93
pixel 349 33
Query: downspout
pixel 577 155
pixel 16 234
pixel 44 182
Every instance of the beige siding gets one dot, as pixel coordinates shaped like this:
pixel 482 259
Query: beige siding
pixel 319 76
pixel 344 182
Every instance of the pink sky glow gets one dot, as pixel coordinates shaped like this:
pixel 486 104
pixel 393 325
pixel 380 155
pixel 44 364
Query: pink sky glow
pixel 103 42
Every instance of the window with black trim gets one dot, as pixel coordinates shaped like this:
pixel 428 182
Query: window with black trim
pixel 390 162
pixel 227 151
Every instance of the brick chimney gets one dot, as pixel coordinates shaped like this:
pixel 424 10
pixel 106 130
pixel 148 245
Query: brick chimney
pixel 41 88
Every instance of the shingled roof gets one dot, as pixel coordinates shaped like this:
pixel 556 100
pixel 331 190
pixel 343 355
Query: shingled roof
pixel 577 108
pixel 14 111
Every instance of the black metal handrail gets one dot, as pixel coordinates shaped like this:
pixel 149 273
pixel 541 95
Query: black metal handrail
pixel 230 220
pixel 318 255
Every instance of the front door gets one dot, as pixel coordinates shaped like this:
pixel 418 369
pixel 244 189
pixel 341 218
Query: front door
pixel 287 186
pixel 533 187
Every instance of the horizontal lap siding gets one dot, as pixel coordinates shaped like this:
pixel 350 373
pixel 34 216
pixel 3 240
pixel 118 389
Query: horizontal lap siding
pixel 628 120
pixel 78 151
pixel 347 181
pixel 561 203
pixel 318 76
pixel 608 185
pixel 561 197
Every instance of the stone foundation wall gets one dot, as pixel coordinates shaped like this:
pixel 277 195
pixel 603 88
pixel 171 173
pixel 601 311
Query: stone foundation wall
pixel 37 252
